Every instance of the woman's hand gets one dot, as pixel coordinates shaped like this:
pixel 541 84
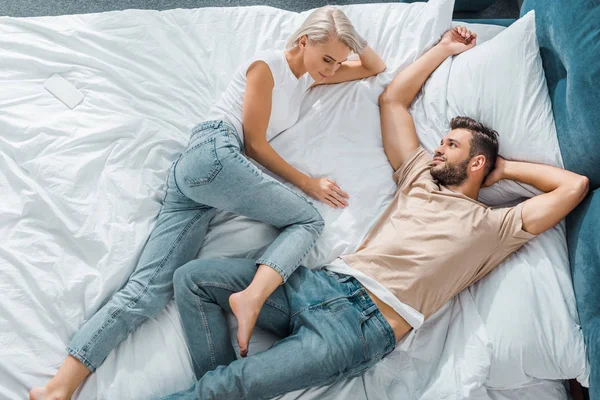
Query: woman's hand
pixel 327 191
pixel 458 39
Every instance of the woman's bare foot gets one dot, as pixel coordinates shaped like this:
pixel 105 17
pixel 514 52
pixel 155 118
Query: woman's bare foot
pixel 246 310
pixel 42 393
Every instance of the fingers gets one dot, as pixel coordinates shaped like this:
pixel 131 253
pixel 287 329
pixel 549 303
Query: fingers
pixel 335 201
pixel 331 194
pixel 339 190
pixel 466 34
pixel 329 203
pixel 337 193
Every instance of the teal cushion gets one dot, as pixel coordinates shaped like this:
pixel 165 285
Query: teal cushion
pixel 569 37
pixel 583 235
pixel 499 21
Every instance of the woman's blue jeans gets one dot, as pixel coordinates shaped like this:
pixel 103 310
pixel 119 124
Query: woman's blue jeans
pixel 211 174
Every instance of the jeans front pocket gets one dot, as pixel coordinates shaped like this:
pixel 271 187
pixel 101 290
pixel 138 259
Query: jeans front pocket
pixel 201 163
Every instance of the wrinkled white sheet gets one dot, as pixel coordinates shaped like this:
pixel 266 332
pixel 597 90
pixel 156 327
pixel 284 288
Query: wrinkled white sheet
pixel 81 189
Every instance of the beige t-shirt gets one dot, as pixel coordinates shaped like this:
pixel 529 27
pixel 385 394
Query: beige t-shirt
pixel 431 242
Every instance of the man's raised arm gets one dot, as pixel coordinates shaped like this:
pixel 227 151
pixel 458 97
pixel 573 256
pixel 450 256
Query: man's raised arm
pixel 397 126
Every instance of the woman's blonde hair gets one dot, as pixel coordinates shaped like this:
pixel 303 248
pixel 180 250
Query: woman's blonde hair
pixel 325 23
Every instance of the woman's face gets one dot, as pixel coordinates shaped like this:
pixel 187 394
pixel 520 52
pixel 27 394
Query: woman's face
pixel 322 60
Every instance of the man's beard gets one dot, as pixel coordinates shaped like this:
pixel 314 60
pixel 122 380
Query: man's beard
pixel 451 174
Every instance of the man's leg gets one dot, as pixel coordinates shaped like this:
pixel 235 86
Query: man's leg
pixel 202 290
pixel 339 336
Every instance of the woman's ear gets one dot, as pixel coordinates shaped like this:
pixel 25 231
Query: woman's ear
pixel 303 41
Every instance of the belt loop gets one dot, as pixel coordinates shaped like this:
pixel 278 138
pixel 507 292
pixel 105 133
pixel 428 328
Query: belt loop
pixel 371 309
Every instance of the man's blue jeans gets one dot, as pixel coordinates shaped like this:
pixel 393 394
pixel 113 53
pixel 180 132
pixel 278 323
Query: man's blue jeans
pixel 331 329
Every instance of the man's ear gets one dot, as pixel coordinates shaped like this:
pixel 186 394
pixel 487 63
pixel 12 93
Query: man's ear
pixel 478 162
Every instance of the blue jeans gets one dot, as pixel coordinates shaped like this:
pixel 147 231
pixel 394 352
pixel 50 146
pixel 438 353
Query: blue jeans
pixel 210 174
pixel 331 330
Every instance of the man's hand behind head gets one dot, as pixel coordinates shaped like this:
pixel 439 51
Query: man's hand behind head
pixel 497 173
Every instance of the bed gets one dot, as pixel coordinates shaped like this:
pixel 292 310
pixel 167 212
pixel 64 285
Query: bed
pixel 81 189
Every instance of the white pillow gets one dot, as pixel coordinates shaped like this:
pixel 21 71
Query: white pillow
pixel 527 304
pixel 528 308
pixel 500 83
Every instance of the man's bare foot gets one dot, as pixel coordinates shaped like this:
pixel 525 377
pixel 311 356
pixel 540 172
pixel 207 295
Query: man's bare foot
pixel 246 310
pixel 42 393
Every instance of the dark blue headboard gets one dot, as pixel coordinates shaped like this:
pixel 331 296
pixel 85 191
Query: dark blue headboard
pixel 569 38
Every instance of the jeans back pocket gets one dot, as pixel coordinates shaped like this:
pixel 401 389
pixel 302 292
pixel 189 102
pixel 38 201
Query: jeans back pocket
pixel 200 163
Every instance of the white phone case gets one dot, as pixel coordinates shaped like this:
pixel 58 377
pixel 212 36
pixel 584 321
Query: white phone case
pixel 63 90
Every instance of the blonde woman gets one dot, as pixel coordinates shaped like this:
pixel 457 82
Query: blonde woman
pixel 213 174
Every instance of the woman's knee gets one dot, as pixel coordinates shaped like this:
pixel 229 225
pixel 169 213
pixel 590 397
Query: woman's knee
pixel 316 221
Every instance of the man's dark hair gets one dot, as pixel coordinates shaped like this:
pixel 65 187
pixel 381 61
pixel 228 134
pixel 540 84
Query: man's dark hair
pixel 483 142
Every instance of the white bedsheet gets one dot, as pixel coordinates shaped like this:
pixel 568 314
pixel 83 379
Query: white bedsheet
pixel 81 189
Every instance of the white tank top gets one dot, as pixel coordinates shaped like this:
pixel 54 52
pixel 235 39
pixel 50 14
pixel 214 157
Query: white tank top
pixel 288 92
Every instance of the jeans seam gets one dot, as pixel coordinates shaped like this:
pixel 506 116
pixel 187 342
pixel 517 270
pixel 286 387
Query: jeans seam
pixel 175 178
pixel 275 266
pixel 230 129
pixel 279 269
pixel 321 304
pixel 386 332
pixel 220 125
pixel 381 328
pixel 196 145
pixel 207 328
pixel 363 339
pixel 206 125
pixel 83 359
pixel 319 383
pixel 260 173
pixel 117 312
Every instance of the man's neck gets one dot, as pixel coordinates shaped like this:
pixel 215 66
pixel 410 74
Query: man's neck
pixel 469 190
